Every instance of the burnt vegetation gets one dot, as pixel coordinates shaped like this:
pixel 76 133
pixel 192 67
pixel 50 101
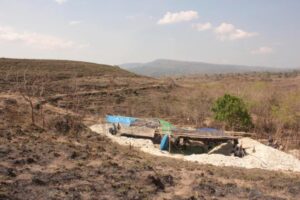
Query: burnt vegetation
pixel 48 152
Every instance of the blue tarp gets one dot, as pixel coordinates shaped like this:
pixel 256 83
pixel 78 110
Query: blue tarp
pixel 120 119
pixel 164 144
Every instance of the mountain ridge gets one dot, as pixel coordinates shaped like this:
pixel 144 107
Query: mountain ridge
pixel 168 67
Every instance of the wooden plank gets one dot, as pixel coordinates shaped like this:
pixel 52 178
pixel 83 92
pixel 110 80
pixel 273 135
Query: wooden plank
pixel 145 132
pixel 138 131
pixel 201 136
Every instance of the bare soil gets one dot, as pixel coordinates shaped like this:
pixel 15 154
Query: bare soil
pixel 59 157
pixel 72 162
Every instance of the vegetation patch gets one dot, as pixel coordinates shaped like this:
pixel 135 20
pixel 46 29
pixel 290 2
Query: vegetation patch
pixel 233 111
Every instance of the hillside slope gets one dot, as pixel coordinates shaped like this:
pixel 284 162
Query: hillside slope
pixel 65 160
pixel 63 67
pixel 58 157
pixel 164 67
pixel 61 76
pixel 97 88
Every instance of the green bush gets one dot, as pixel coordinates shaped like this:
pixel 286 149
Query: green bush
pixel 233 111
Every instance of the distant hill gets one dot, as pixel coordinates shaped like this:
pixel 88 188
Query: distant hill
pixel 164 67
pixel 131 65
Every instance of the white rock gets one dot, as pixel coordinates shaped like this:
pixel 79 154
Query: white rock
pixel 258 154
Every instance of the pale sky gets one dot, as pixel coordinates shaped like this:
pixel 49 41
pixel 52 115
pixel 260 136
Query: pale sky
pixel 256 32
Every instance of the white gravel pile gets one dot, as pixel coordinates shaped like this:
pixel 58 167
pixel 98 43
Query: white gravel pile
pixel 258 155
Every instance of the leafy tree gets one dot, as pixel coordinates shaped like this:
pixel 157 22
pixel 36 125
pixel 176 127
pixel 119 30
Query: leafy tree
pixel 233 111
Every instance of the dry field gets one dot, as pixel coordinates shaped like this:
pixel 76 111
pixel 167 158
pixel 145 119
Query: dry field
pixel 58 157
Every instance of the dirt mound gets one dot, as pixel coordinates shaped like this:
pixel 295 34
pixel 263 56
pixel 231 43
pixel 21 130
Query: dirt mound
pixel 258 155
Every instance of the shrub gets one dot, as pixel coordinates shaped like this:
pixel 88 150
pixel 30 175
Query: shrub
pixel 233 111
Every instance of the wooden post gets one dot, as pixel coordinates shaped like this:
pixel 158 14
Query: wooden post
pixel 169 143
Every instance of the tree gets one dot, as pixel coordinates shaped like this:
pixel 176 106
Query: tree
pixel 32 90
pixel 233 111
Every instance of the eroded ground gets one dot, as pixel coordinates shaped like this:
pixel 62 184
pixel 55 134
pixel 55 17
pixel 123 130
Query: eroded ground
pixel 60 158
pixel 71 162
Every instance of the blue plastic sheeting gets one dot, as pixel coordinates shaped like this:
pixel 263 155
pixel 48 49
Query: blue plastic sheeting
pixel 120 119
pixel 164 144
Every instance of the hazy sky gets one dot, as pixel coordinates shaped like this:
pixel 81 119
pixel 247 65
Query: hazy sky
pixel 256 32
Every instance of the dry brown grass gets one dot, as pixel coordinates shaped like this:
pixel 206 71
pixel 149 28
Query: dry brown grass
pixel 96 90
pixel 63 163
pixel 274 102
pixel 64 160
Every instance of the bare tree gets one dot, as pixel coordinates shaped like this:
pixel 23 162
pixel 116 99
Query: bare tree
pixel 32 90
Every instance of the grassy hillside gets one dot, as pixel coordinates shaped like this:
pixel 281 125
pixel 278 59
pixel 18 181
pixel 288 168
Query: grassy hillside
pixel 59 76
pixel 96 90
pixel 58 68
